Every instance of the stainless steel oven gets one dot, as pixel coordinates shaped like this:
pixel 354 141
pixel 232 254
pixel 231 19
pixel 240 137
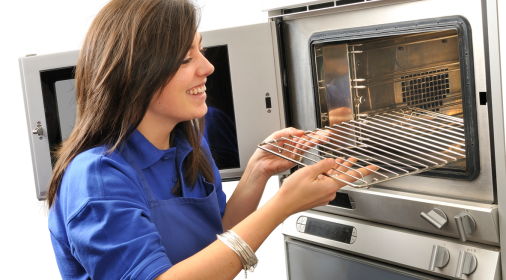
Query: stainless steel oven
pixel 379 64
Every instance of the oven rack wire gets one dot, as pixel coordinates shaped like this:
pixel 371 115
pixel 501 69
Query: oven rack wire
pixel 376 148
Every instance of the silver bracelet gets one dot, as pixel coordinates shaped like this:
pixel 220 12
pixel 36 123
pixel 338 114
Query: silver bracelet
pixel 246 255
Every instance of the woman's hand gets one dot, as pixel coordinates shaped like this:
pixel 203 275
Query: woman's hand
pixel 270 164
pixel 307 188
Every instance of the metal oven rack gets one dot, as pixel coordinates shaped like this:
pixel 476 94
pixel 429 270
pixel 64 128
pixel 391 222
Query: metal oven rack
pixel 377 148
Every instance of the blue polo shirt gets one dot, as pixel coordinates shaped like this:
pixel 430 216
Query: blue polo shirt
pixel 102 224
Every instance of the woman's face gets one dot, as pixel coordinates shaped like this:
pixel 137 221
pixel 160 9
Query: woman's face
pixel 183 98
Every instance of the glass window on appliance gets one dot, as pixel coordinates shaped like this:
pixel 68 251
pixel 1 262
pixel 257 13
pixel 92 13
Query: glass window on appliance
pixel 220 127
pixel 59 97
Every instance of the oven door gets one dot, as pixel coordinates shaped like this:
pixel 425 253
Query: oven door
pixel 49 95
pixel 251 55
pixel 403 202
pixel 306 261
pixel 244 99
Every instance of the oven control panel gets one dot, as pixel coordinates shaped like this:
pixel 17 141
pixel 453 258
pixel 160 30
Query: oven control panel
pixel 334 231
pixel 437 255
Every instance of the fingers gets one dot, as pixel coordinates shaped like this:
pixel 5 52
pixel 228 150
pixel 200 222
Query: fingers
pixel 358 173
pixel 301 144
pixel 337 163
pixel 347 164
pixel 342 166
pixel 313 171
pixel 285 133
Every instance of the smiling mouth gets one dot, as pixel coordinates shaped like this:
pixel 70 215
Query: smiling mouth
pixel 197 90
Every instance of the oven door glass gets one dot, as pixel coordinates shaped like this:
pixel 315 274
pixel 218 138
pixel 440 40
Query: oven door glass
pixel 220 126
pixel 246 89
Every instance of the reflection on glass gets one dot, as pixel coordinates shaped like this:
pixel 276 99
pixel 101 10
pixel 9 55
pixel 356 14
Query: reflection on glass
pixel 337 81
pixel 220 128
pixel 58 96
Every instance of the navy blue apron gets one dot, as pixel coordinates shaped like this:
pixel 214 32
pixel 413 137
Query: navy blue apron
pixel 186 225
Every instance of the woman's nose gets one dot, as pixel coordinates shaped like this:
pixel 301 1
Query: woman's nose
pixel 206 68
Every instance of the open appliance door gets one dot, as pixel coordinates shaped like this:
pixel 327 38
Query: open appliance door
pixel 246 86
pixel 49 96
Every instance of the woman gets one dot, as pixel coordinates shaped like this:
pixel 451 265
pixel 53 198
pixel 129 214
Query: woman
pixel 135 193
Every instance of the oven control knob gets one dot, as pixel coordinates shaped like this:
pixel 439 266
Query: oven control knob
pixel 435 217
pixel 465 225
pixel 301 224
pixel 439 258
pixel 466 264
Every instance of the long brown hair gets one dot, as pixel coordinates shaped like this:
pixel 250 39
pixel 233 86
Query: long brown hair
pixel 131 51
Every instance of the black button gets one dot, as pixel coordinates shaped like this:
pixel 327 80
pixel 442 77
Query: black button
pixel 268 104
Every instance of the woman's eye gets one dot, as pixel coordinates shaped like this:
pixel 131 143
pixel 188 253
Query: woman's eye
pixel 187 60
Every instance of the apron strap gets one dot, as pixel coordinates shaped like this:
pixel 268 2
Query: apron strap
pixel 133 163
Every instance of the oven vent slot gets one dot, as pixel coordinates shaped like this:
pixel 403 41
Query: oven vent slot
pixel 346 2
pixel 294 10
pixel 386 146
pixel 320 6
pixel 426 90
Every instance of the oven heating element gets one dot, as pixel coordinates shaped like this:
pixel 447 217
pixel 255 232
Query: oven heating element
pixel 388 145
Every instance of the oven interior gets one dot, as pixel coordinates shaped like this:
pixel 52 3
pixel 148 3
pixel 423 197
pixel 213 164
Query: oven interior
pixel 411 88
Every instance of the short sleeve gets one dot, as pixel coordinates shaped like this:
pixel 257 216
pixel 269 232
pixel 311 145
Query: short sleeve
pixel 109 230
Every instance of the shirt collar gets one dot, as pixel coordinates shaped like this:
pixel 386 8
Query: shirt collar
pixel 146 154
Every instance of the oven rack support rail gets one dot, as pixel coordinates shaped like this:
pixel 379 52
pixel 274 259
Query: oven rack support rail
pixel 377 148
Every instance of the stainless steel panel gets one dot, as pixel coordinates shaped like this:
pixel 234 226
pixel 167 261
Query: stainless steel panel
pixel 297 33
pixel 400 247
pixel 309 262
pixel 497 103
pixel 403 210
pixel 334 91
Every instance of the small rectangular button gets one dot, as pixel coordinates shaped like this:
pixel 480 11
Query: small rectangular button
pixel 268 104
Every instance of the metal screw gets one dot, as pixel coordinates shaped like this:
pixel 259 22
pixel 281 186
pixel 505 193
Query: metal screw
pixel 268 110
pixel 358 64
pixel 39 123
pixel 267 94
pixel 41 137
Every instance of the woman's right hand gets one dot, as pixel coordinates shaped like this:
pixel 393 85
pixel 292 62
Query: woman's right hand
pixel 307 188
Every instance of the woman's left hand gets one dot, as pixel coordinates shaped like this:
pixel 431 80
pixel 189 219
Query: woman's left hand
pixel 270 164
